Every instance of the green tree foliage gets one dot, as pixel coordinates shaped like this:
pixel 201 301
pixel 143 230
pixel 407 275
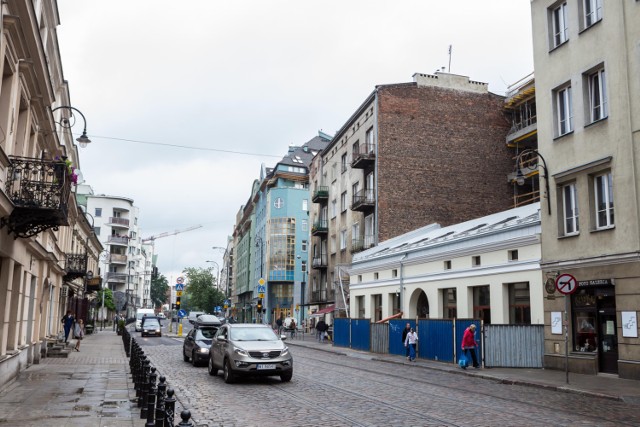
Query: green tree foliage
pixel 108 299
pixel 201 290
pixel 159 289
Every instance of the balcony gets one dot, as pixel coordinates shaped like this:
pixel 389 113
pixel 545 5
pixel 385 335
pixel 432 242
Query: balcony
pixel 117 221
pixel 322 296
pixel 363 156
pixel 117 259
pixel 116 277
pixel 319 262
pixel 39 190
pixel 359 245
pixel 94 285
pixel 364 201
pixel 118 240
pixel 75 266
pixel 320 194
pixel 320 227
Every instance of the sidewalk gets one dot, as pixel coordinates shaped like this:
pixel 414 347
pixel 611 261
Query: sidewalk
pixel 604 386
pixel 90 388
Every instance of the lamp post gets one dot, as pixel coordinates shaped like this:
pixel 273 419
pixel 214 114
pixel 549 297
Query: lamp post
pixel 226 261
pixel 530 157
pixel 218 278
pixel 104 257
pixel 66 123
pixel 259 244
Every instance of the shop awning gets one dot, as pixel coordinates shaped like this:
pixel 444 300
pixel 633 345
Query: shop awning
pixel 327 309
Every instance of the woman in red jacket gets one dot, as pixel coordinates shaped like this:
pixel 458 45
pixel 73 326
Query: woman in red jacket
pixel 469 344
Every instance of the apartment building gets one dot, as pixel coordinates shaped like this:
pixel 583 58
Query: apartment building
pixel 588 109
pixel 412 154
pixel 47 247
pixel 271 239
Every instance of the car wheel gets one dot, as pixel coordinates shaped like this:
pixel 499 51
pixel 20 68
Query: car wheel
pixel 285 378
pixel 193 359
pixel 212 370
pixel 184 356
pixel 229 378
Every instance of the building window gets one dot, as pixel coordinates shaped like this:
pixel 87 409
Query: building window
pixel 375 276
pixel 475 261
pixel 394 272
pixel 359 278
pixel 278 203
pixel 305 205
pixel 603 194
pixel 447 265
pixel 303 266
pixel 519 304
pixel 343 163
pixel 513 255
pixel 343 240
pixel 570 209
pixel 482 303
pixel 281 251
pixel 597 95
pixel 343 202
pixel 304 225
pixel 449 303
pixel 360 302
pixel 332 242
pixel 592 11
pixel 98 212
pixel 559 21
pixel 96 230
pixel 369 140
pixel 334 175
pixel 564 110
pixel 334 208
pixel 304 246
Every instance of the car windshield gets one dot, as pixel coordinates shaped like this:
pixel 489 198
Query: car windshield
pixel 252 334
pixel 205 334
pixel 151 323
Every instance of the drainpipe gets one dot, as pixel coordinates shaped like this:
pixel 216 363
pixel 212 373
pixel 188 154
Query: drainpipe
pixel 402 283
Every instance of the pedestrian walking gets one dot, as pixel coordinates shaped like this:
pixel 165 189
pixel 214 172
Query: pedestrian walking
pixel 67 321
pixel 321 329
pixel 279 325
pixel 469 345
pixel 292 327
pixel 405 331
pixel 78 332
pixel 410 343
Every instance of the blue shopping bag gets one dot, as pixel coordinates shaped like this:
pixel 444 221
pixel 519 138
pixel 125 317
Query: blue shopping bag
pixel 462 361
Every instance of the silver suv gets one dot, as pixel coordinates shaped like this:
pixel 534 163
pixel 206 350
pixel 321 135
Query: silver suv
pixel 249 349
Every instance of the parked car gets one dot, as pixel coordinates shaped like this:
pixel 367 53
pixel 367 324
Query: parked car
pixel 193 316
pixel 198 341
pixel 249 349
pixel 151 326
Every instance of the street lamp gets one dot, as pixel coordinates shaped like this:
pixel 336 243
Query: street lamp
pixel 104 257
pixel 226 262
pixel 66 123
pixel 530 157
pixel 218 279
pixel 259 244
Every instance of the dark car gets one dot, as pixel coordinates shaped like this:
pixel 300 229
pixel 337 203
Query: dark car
pixel 198 340
pixel 249 349
pixel 151 326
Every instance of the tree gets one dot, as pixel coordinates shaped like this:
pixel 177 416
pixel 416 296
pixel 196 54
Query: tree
pixel 159 289
pixel 201 289
pixel 108 299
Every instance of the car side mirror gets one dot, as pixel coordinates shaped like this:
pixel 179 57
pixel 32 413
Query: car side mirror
pixel 283 337
pixel 221 338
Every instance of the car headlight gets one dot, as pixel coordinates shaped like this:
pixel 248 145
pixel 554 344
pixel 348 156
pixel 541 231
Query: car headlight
pixel 203 350
pixel 158 330
pixel 241 351
pixel 285 351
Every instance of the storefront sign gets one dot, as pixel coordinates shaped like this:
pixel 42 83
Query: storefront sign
pixel 596 282
pixel 556 322
pixel 630 324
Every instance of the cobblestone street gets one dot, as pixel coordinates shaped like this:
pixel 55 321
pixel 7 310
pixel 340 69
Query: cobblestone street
pixel 329 390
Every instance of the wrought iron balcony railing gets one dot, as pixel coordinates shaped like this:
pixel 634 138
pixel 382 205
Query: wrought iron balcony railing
pixel 359 245
pixel 75 266
pixel 320 227
pixel 319 261
pixel 364 200
pixel 363 156
pixel 320 193
pixel 39 190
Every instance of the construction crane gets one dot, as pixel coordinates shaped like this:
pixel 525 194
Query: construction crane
pixel 152 239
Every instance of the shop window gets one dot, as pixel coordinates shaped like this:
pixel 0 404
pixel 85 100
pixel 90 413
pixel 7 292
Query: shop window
pixel 519 304
pixel 584 321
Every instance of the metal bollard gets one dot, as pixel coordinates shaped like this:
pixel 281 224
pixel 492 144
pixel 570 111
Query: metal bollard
pixel 138 378
pixel 145 393
pixel 151 400
pixel 162 389
pixel 169 408
pixel 144 384
pixel 185 415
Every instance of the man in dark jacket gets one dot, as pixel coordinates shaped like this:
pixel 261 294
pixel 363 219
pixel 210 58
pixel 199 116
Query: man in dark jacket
pixel 405 331
pixel 321 328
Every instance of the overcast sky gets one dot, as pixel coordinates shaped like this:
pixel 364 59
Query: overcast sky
pixel 239 81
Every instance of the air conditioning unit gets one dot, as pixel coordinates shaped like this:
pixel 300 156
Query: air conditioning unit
pixel 64 291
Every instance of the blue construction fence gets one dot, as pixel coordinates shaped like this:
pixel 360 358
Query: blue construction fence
pixel 440 340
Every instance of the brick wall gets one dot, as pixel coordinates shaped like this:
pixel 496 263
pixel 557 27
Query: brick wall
pixel 442 157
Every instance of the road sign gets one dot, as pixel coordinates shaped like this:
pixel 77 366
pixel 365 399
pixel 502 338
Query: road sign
pixel 217 308
pixel 260 295
pixel 180 279
pixel 262 290
pixel 182 313
pixel 178 293
pixel 566 284
pixel 261 281
pixel 179 286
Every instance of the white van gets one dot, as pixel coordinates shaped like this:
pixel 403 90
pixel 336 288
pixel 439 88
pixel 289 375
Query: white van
pixel 141 312
pixel 193 316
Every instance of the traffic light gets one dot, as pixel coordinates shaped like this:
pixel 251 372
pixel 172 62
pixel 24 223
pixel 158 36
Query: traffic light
pixel 259 306
pixel 177 303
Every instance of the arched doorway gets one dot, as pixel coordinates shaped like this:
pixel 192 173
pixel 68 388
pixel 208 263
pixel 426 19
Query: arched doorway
pixel 418 305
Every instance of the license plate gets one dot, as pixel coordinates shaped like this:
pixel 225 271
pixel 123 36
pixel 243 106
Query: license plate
pixel 266 366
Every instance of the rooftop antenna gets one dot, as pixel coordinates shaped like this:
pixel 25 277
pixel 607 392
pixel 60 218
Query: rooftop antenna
pixel 450 50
